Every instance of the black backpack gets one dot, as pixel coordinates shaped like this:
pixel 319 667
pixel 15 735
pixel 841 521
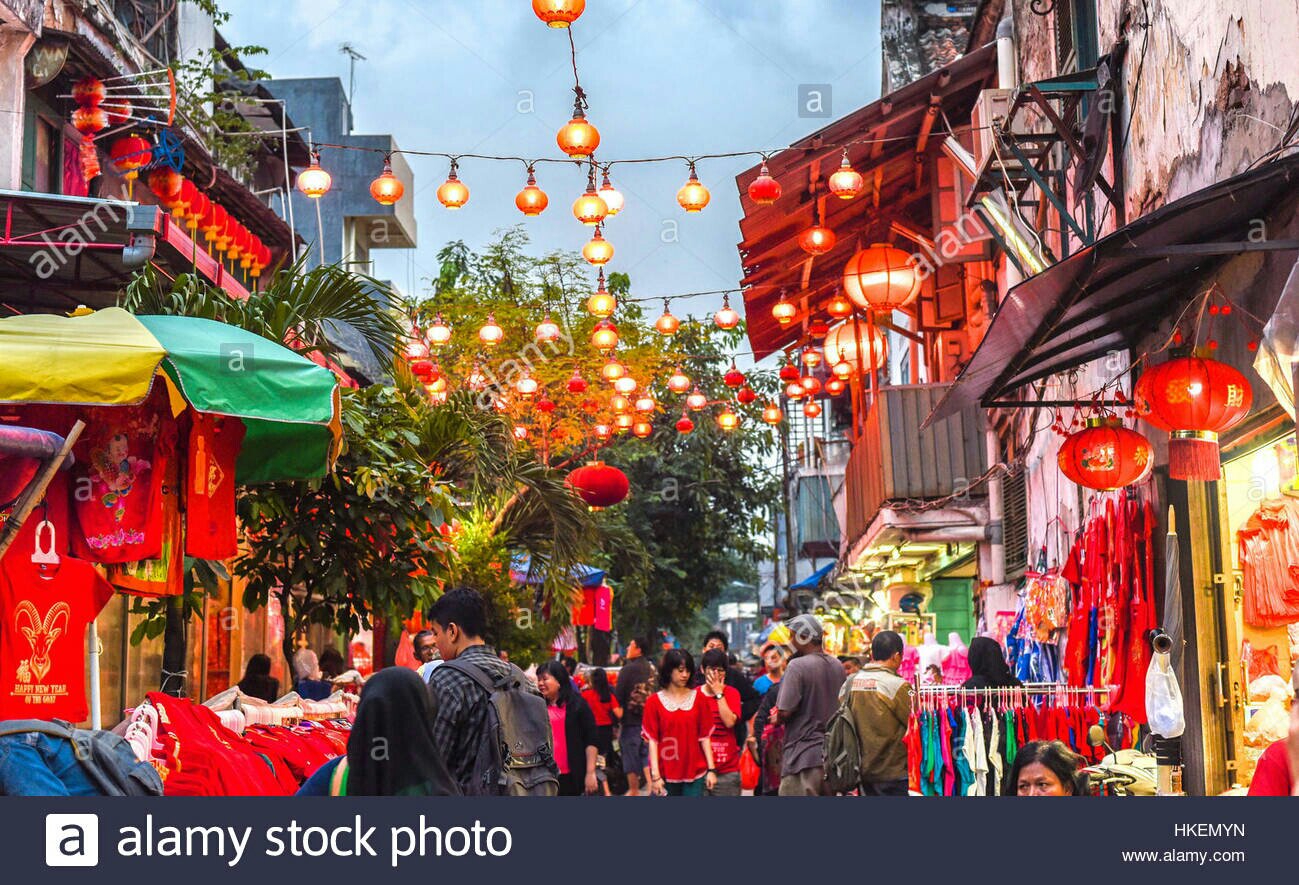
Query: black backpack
pixel 107 759
pixel 518 757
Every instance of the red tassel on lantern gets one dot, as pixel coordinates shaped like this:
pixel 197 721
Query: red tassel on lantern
pixel 1194 398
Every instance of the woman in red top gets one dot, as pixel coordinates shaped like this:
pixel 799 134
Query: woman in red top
pixel 599 697
pixel 677 726
pixel 723 703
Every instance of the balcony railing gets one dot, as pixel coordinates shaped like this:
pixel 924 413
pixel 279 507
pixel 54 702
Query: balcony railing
pixel 893 460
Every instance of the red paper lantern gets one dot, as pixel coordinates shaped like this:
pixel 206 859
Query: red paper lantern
pixel 599 484
pixel 733 378
pixel 130 154
pixel 764 189
pixel 1106 456
pixel 558 13
pixel 1195 399
pixel 881 278
pixel 88 93
pixel 684 424
pixel 789 372
pixel 88 120
pixel 817 240
pixel 166 184
pixel 119 110
pixel 746 396
pixel 839 306
pixel 577 384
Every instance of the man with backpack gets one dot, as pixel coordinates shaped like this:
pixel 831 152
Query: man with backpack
pixel 490 721
pixel 636 682
pixel 879 701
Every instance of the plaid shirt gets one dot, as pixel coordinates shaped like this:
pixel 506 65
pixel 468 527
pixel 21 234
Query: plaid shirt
pixel 460 722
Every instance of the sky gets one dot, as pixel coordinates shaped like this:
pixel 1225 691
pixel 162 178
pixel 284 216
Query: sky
pixel 663 77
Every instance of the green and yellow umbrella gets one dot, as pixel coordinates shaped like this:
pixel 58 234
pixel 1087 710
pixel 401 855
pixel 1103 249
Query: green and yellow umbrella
pixel 288 404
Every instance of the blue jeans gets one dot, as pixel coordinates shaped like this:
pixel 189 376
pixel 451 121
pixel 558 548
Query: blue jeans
pixel 34 764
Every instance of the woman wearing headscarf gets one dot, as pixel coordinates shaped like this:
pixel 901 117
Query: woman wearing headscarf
pixel 258 681
pixel 391 750
pixel 988 665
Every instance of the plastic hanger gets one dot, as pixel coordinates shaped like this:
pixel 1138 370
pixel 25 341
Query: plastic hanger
pixel 46 553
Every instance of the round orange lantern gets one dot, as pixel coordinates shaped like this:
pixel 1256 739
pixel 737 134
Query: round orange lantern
pixel 835 386
pixel 590 208
pixel 387 188
pixel 881 278
pixel 764 190
pixel 166 184
pixel 1106 455
pixel 679 382
pixel 784 311
pixel 532 200
pixel 558 13
pixel 727 317
pixel 841 347
pixel 817 240
pixel 838 306
pixel 602 431
pixel 577 137
pixel 599 485
pixel 667 324
pixel 453 193
pixel 601 304
pixel 622 423
pixel 642 429
pixel 130 154
pixel 612 370
pixel 811 385
pixel 88 121
pixel 727 420
pixel 598 250
pixel 846 182
pixel 604 336
pixel 88 92
pixel 812 409
pixel 1194 398
pixel 314 181
pixel 772 414
pixel 693 196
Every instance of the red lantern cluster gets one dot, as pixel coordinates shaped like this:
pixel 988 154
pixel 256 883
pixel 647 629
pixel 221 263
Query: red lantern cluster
pixel 599 484
pixel 89 118
pixel 1106 456
pixel 1193 398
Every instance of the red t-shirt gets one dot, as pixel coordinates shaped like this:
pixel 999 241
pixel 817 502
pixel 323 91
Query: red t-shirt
pixel 726 751
pixel 214 443
pixel 43 620
pixel 603 710
pixel 1272 777
pixel 678 733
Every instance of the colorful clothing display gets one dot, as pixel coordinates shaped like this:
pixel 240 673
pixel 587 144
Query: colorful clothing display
pixel 1268 547
pixel 213 449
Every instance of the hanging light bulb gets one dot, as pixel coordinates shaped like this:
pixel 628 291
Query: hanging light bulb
pixel 619 403
pixel 784 311
pixel 645 403
pixel 625 385
pixel 577 137
pixel 387 189
pixel 612 370
pixel 684 425
pixel 679 382
pixel 532 200
pixel 612 197
pixel 727 317
pixel 604 336
pixel 812 409
pixel 727 420
pixel 598 250
pixel 314 181
pixel 839 306
pixel 642 429
pixel 693 196
pixel 490 334
pixel 547 330
pixel 696 401
pixel 764 190
pixel 577 384
pixel 601 304
pixel 846 182
pixel 526 386
pixel 772 414
pixel 558 13
pixel 452 193
pixel 667 324
pixel 590 208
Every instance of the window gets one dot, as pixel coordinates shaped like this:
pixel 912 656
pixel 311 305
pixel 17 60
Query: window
pixel 1076 35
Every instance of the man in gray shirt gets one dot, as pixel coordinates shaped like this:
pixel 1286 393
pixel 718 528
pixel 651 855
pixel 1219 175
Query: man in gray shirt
pixel 809 695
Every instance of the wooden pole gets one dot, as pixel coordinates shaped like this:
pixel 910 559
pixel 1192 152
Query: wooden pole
pixel 36 491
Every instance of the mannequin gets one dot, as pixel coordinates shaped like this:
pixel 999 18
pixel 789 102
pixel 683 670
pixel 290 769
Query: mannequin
pixel 931 652
pixel 956 666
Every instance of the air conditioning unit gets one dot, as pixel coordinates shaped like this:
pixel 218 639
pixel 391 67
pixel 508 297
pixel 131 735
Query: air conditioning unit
pixel 992 104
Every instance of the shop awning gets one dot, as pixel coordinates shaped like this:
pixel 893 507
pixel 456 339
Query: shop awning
pixel 1111 294
pixel 288 404
pixel 814 580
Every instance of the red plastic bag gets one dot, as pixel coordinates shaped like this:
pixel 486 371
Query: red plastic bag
pixel 750 772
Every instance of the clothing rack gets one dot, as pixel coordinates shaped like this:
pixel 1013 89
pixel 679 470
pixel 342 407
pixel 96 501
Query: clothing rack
pixel 1031 688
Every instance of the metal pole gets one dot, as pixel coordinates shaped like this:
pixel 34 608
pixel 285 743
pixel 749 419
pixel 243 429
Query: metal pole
pixel 92 656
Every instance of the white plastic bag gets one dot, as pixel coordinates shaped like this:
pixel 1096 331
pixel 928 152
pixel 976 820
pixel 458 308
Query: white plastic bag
pixel 1164 698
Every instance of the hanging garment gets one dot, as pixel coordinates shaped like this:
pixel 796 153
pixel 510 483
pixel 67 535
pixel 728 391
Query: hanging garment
pixel 979 754
pixel 1268 548
pixel 915 753
pixel 947 725
pixel 996 751
pixel 213 449
pixel 163 575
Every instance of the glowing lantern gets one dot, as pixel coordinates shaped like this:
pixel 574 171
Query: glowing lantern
pixel 532 200
pixel 667 324
pixel 602 431
pixel 789 372
pixel 684 425
pixel 130 154
pixel 696 401
pixel 733 378
pixel 601 303
pixel 547 330
pixel 772 414
pixel 439 333
pixel 623 422
pixel 578 138
pixel 577 384
pixel 693 196
pixel 453 193
pixel 846 182
pixel 612 197
pixel 812 409
pixel 604 336
pixel 817 240
pixel 727 420
pixel 764 190
pixel 881 278
pixel 642 429
pixel 1106 455
pixel 526 386
pixel 811 385
pixel 836 386
pixel 841 347
pixel 679 382
pixel 784 311
pixel 794 390
pixel 811 357
pixel 1194 398
pixel 818 328
pixel 590 208
pixel 841 368
pixel 727 317
pixel 619 403
pixel 746 396
pixel 626 385
pixel 314 181
pixel 387 188
pixel 839 306
pixel 645 403
pixel 612 370
pixel 558 13
pixel 598 250
pixel 491 334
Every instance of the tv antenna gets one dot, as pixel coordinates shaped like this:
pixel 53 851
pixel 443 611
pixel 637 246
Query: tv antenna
pixel 353 57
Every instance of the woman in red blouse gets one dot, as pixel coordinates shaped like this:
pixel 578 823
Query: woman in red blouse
pixel 677 726
pixel 599 697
